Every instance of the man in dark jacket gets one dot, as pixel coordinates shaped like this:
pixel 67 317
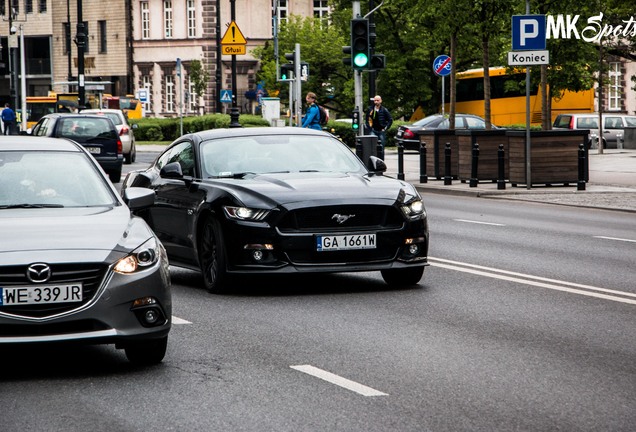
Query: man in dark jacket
pixel 8 119
pixel 379 120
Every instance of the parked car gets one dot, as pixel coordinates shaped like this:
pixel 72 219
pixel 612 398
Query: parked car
pixel 406 135
pixel 281 200
pixel 75 265
pixel 613 126
pixel 126 131
pixel 97 134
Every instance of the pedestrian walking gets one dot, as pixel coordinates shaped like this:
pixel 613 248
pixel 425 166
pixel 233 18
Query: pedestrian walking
pixel 311 119
pixel 8 119
pixel 379 120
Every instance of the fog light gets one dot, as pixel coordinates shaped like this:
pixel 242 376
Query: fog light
pixel 414 249
pixel 151 316
pixel 257 255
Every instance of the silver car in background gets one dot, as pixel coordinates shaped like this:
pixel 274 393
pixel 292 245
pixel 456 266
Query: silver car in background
pixel 75 264
pixel 125 130
pixel 613 126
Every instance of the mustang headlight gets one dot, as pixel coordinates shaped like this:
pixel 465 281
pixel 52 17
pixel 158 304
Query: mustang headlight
pixel 145 255
pixel 414 210
pixel 245 213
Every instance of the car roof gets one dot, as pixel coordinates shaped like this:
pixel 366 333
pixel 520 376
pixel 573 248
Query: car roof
pixel 242 132
pixel 31 143
pixel 102 110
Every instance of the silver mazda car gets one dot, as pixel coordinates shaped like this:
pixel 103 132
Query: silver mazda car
pixel 75 264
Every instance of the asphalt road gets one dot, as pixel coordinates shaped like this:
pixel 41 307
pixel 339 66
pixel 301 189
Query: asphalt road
pixel 524 321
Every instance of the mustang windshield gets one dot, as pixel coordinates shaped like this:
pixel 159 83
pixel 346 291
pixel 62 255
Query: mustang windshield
pixel 276 154
pixel 51 179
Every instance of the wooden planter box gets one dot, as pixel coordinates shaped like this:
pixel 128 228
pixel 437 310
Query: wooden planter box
pixel 488 161
pixel 435 157
pixel 554 157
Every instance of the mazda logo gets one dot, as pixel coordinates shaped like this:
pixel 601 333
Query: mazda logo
pixel 38 272
pixel 342 218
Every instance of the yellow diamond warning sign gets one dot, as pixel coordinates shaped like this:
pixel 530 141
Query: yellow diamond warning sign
pixel 233 36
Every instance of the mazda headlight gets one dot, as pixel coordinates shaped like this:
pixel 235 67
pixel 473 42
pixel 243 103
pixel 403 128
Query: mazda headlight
pixel 245 213
pixel 145 255
pixel 414 210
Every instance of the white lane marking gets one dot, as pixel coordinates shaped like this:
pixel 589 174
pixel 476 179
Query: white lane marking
pixel 535 280
pixel 177 320
pixel 478 222
pixel 615 238
pixel 338 380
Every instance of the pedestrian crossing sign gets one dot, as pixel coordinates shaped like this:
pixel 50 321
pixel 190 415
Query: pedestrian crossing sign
pixel 226 96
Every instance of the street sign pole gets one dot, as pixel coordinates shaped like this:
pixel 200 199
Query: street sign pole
pixel 442 66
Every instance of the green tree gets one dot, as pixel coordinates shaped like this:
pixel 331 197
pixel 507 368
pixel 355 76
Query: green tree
pixel 199 77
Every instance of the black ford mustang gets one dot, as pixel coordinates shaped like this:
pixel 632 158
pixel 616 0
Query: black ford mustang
pixel 281 200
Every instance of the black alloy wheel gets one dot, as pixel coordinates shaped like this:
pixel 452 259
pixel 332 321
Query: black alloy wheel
pixel 212 257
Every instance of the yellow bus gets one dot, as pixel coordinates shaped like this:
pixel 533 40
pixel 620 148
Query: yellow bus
pixel 128 104
pixel 508 98
pixel 38 107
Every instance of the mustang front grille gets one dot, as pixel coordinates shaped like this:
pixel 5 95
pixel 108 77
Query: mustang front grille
pixel 349 218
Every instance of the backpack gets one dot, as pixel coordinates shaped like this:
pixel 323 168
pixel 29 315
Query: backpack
pixel 324 115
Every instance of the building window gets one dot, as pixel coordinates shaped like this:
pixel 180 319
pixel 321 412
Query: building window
pixel 67 38
pixel 192 19
pixel 614 87
pixel 167 18
pixel 145 20
pixel 192 105
pixel 146 82
pixel 42 6
pixel 103 47
pixel 28 6
pixel 282 11
pixel 170 93
pixel 321 8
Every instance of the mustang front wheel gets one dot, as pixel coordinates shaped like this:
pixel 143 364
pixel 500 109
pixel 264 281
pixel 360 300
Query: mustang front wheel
pixel 403 277
pixel 212 257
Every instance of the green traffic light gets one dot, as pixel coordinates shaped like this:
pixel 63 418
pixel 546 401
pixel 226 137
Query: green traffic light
pixel 354 126
pixel 283 76
pixel 361 60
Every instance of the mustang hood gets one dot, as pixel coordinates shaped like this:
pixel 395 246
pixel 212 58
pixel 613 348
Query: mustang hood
pixel 39 234
pixel 329 187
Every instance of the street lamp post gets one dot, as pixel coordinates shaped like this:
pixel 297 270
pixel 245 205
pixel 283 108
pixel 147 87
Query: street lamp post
pixel 80 40
pixel 13 57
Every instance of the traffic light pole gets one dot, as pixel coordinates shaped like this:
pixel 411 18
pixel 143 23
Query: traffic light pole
pixel 298 83
pixel 357 78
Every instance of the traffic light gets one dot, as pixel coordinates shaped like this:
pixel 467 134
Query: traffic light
pixel 347 50
pixel 287 70
pixel 378 61
pixel 360 43
pixel 355 120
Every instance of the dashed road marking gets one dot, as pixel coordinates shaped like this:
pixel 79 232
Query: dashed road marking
pixel 338 380
pixel 177 320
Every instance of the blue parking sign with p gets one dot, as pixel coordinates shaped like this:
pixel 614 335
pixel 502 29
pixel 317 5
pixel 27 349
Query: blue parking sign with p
pixel 528 32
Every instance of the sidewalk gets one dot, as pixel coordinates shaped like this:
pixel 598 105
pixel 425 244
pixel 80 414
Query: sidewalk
pixel 612 183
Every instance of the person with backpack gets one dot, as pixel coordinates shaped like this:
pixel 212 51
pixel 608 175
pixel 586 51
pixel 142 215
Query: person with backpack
pixel 312 116
pixel 379 119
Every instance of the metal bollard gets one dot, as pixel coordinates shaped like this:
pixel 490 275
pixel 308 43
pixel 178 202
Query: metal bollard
pixel 400 174
pixel 580 185
pixel 474 181
pixel 423 176
pixel 501 171
pixel 448 179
